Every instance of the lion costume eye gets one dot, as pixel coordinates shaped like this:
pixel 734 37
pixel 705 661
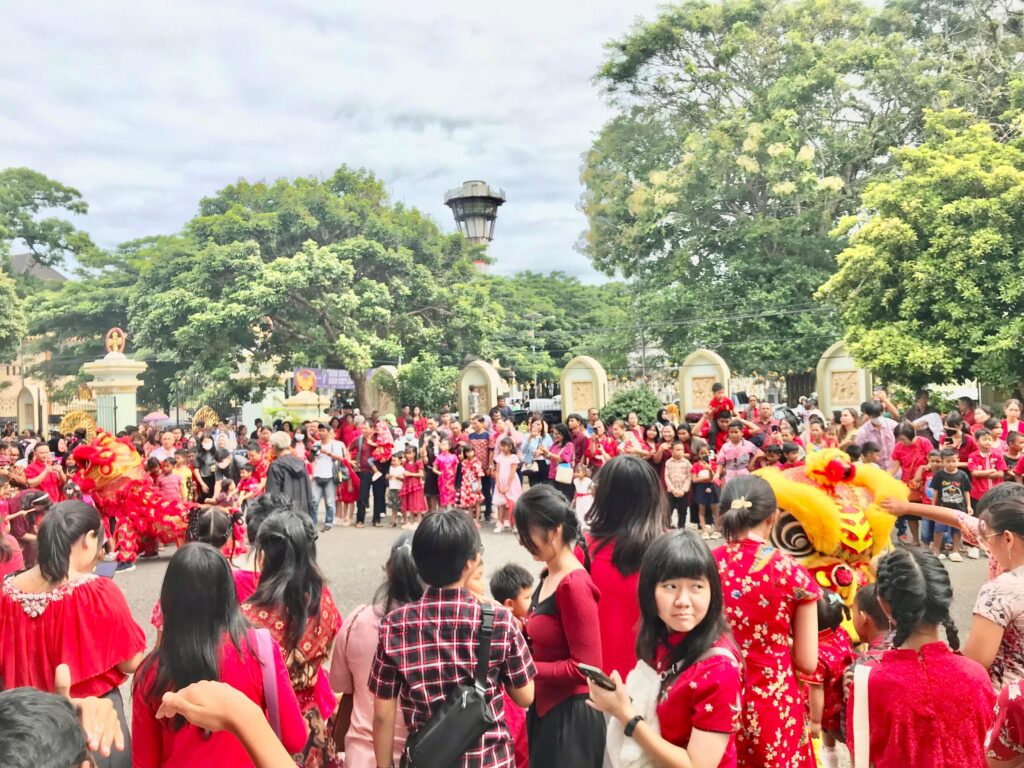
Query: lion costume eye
pixel 789 536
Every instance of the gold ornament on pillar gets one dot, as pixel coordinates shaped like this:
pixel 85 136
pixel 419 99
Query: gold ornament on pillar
pixel 115 340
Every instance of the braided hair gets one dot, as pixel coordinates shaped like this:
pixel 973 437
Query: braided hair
pixel 212 525
pixel 917 589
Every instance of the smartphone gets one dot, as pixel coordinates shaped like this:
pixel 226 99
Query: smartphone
pixel 106 569
pixel 600 678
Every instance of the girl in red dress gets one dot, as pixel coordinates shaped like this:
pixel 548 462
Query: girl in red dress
pixel 348 488
pixel 926 704
pixel 60 612
pixel 207 639
pixel 825 686
pixel 414 503
pixel 689 678
pixel 470 496
pixel 770 603
pixel 293 602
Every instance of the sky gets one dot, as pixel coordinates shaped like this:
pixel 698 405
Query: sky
pixel 147 107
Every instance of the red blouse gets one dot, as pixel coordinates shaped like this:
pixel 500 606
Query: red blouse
pixel 927 707
pixel 835 654
pixel 85 624
pixel 157 743
pixel 706 696
pixel 618 610
pixel 561 635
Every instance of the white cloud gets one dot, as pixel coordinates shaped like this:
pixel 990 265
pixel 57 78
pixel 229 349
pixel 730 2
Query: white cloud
pixel 148 107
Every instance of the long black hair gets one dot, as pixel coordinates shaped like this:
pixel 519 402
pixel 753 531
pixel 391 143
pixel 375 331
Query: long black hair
pixel 64 524
pixel 290 579
pixel 628 511
pixel 544 507
pixel 917 589
pixel 200 607
pixel 747 501
pixel 403 584
pixel 678 555
pixel 260 508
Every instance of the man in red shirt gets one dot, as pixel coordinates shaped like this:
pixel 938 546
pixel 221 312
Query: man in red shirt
pixel 42 473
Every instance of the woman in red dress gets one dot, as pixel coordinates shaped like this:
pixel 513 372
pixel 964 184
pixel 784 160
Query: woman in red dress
pixel 293 602
pixel 602 446
pixel 348 488
pixel 770 600
pixel 690 677
pixel 207 639
pixel 624 521
pixel 60 612
pixel 926 704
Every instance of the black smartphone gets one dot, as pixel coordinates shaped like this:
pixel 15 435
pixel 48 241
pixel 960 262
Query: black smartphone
pixel 600 678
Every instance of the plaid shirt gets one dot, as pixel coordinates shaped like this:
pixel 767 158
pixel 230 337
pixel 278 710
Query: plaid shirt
pixel 428 647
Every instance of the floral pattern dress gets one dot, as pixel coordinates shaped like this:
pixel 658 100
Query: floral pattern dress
pixel 446 464
pixel 1001 601
pixel 762 588
pixel 470 488
pixel 308 678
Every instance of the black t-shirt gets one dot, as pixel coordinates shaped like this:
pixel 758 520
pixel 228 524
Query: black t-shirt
pixel 952 489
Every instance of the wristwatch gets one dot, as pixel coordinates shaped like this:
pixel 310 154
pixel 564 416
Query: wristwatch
pixel 632 724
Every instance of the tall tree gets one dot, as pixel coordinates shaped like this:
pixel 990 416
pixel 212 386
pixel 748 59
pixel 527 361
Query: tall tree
pixel 745 131
pixel 305 272
pixel 931 285
pixel 25 197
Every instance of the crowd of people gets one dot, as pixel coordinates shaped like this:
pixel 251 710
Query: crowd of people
pixel 661 627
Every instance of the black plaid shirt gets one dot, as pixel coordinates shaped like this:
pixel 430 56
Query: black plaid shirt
pixel 428 647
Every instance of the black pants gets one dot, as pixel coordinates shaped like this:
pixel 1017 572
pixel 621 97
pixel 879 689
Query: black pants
pixel 572 735
pixel 679 505
pixel 117 759
pixel 568 489
pixel 379 488
pixel 487 489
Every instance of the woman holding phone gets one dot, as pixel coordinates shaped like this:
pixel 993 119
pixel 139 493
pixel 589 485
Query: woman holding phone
pixel 688 680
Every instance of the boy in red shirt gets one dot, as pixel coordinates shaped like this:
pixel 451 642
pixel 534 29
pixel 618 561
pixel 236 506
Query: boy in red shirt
pixel 985 465
pixel 719 402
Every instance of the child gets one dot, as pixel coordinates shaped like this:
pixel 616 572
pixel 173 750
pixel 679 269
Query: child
pixel 791 455
pixel 396 476
pixel 678 477
pixel 737 455
pixel 869 452
pixel 414 503
pixel 183 470
pixel 719 402
pixel 1014 454
pixel 922 480
pixel 444 467
pixel 507 487
pixel 952 487
pixel 348 490
pixel 168 484
pixel 874 628
pixel 705 493
pixel 470 496
pixel 853 451
pixel 772 456
pixel 384 446
pixel 248 486
pixel 584 498
pixel 835 654
pixel 512 586
pixel 985 465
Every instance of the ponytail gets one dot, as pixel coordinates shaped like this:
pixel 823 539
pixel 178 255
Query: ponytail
pixel 63 525
pixel 918 591
pixel 403 583
pixel 747 501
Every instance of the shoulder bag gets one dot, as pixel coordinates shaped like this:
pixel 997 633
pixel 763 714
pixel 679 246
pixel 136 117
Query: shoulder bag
pixel 462 719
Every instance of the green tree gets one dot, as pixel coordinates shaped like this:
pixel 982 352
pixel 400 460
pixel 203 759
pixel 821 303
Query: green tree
pixel 25 196
pixel 305 272
pixel 12 323
pixel 423 381
pixel 547 319
pixel 638 399
pixel 931 285
pixel 744 132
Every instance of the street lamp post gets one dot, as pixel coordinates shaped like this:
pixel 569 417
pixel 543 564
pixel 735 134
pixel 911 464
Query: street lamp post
pixel 475 208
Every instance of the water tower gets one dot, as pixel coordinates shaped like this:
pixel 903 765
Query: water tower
pixel 475 207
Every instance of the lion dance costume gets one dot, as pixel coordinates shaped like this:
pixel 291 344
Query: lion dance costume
pixel 114 475
pixel 830 518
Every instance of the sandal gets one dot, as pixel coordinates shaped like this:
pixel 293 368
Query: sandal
pixel 360 525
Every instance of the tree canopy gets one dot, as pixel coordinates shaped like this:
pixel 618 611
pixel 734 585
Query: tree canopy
pixel 931 285
pixel 745 130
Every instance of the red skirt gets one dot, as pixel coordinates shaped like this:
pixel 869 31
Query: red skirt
pixel 348 492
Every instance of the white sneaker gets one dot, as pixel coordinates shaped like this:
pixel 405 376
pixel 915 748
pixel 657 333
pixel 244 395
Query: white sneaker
pixel 715 535
pixel 499 528
pixel 941 556
pixel 974 553
pixel 956 557
pixel 705 535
